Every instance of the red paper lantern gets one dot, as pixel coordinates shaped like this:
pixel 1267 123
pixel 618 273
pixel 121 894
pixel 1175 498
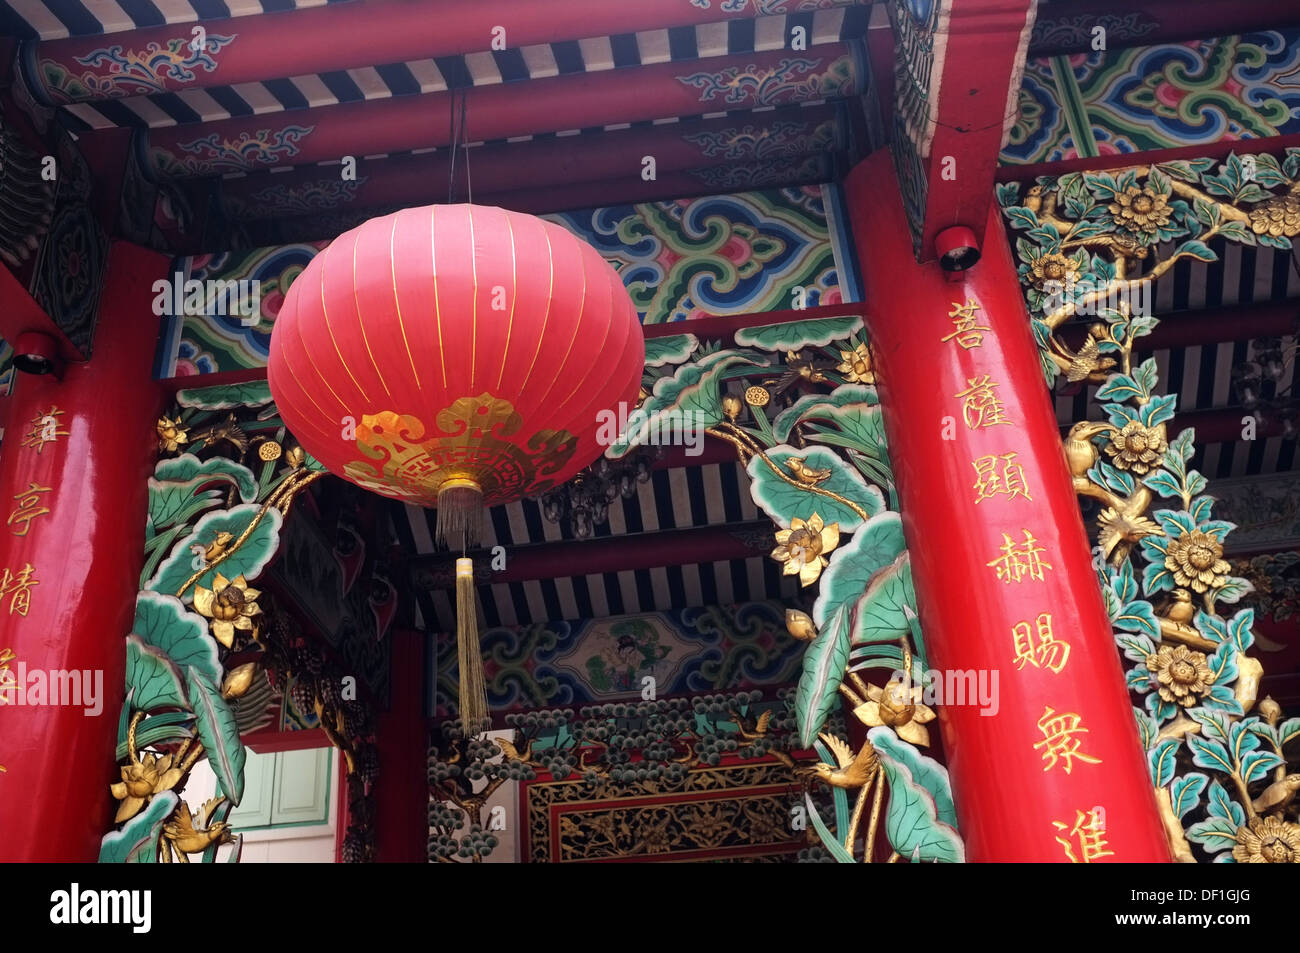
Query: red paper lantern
pixel 455 355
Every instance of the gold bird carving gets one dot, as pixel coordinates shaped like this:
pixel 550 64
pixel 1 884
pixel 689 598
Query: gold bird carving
pixel 805 474
pixel 849 771
pixel 1278 795
pixel 748 728
pixel 1080 452
pixel 191 835
pixel 1174 622
pixel 1087 361
pixel 512 753
pixel 801 366
pixel 800 625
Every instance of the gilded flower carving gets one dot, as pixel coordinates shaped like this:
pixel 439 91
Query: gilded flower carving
pixel 140 782
pixel 1267 840
pixel 899 707
pixel 1277 217
pixel 1182 675
pixel 803 547
pixel 171 435
pixel 1196 560
pixel 230 604
pixel 1137 447
pixel 1139 209
pixel 1055 268
pixel 856 365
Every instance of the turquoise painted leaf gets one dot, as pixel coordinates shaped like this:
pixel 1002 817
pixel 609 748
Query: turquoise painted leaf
pixel 1214 833
pixel 882 613
pixel 1241 740
pixel 1214 628
pixel 1138 616
pixel 1288 731
pixel 1120 387
pixel 1185 792
pixel 163 622
pixel 249 560
pixel 689 399
pixel 226 396
pixel 823 671
pixel 1222 806
pixel 165 728
pixel 1160 708
pixel 1175 522
pixel 851 567
pixel 1137 647
pixel 858 426
pixel 1156 578
pixel 152 678
pixel 1113 605
pixel 912 822
pixel 926 771
pixel 175 503
pixel 783 501
pixel 1162 760
pixel 137 842
pixel 1239 629
pixel 1214 724
pixel 1234 590
pixel 1256 764
pixel 793 335
pixel 810 404
pixel 671 349
pixel 1207 753
pixel 187 467
pixel 1147 727
pixel 1123 582
pixel 1196 249
pixel 215 721
pixel 1223 663
pixel 1201 508
pixel 1138 679
pixel 1158 410
pixel 1163 482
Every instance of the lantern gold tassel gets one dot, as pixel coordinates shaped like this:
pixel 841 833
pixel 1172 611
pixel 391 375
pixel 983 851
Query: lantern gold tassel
pixel 469 654
pixel 460 514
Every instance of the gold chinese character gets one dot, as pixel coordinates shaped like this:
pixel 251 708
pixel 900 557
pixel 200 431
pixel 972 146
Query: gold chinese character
pixel 1086 835
pixel 967 324
pixel 1059 743
pixel 45 429
pixel 1020 560
pixel 19 589
pixel 8 681
pixel 1039 648
pixel 992 480
pixel 29 507
pixel 980 406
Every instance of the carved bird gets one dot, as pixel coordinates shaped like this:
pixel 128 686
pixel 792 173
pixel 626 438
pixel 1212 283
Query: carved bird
pixel 805 474
pixel 190 835
pixel 1181 609
pixel 850 771
pixel 1034 198
pixel 514 754
pixel 1080 452
pixel 1087 360
pixel 748 728
pixel 801 366
pixel 1175 619
pixel 800 625
pixel 1278 795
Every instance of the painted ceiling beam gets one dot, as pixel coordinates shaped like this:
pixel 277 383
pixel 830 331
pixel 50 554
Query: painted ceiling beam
pixel 577 101
pixel 791 134
pixel 1068 27
pixel 958 77
pixel 354 36
pixel 561 558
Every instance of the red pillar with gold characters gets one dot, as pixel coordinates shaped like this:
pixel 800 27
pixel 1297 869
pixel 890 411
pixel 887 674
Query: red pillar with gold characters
pixel 74 465
pixel 1053 769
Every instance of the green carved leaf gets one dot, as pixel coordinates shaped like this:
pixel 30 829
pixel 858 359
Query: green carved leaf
pixel 1207 753
pixel 137 843
pixel 857 426
pixel 1185 792
pixel 873 547
pixel 215 721
pixel 882 613
pixel 226 396
pixel 783 501
pixel 156 729
pixel 829 840
pixel 1256 764
pixel 187 467
pixel 1138 616
pixel 793 335
pixel 151 677
pixel 811 404
pixel 1162 761
pixel 926 771
pixel 1222 806
pixel 823 669
pixel 249 560
pixel 689 399
pixel 162 621
pixel 912 821
pixel 671 349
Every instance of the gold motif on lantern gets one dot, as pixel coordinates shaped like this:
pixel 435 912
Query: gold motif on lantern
pixel 404 459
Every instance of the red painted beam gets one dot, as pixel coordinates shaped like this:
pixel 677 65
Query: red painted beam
pixel 376 32
pixel 791 134
pixel 1156 21
pixel 983 57
pixel 561 103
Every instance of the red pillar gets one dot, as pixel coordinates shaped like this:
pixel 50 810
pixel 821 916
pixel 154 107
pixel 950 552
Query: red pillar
pixel 402 788
pixel 84 555
pixel 1015 798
